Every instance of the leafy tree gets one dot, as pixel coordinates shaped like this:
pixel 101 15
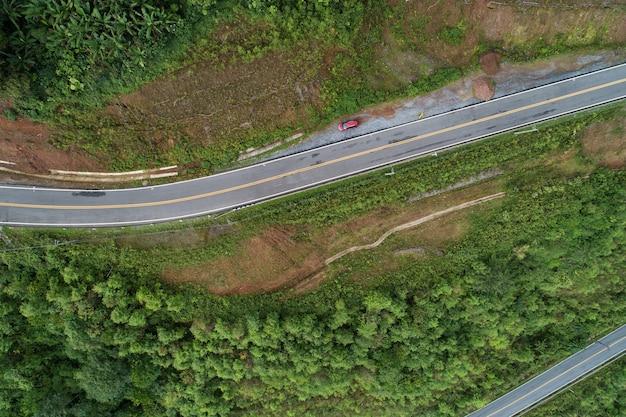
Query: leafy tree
pixel 71 43
pixel 102 379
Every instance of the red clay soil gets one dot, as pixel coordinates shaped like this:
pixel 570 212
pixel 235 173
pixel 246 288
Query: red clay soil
pixel 25 147
pixel 483 88
pixel 490 63
pixel 265 263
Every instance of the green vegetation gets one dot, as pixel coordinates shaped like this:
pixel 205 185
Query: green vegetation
pixel 454 35
pixel 59 52
pixel 90 330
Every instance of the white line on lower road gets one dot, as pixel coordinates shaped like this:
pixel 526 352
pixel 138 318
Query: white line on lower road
pixel 515 405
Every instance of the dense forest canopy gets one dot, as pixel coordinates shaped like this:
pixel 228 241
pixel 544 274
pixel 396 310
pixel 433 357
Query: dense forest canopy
pixel 62 45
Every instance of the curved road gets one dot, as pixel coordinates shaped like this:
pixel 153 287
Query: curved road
pixel 565 373
pixel 36 206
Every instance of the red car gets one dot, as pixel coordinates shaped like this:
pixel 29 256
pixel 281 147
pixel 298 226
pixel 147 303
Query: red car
pixel 347 125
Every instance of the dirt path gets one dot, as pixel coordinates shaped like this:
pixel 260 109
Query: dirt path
pixel 413 223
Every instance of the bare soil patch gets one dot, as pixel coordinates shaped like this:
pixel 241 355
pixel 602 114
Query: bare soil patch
pixel 568 165
pixel 293 257
pixel 423 22
pixel 490 63
pixel 516 23
pixel 384 111
pixel 263 263
pixel 419 251
pixel 606 142
pixel 510 24
pixel 394 65
pixel 212 105
pixel 407 246
pixel 25 146
pixel 435 234
pixel 176 240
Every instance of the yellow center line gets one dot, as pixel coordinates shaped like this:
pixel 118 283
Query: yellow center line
pixel 312 167
pixel 556 377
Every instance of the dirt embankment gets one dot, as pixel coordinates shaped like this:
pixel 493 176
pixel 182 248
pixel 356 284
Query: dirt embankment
pixel 25 146
pixel 295 257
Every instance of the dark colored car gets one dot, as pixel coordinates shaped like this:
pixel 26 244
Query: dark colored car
pixel 347 125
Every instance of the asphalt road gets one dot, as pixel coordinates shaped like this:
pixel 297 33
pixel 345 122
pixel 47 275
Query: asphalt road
pixel 37 206
pixel 609 348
